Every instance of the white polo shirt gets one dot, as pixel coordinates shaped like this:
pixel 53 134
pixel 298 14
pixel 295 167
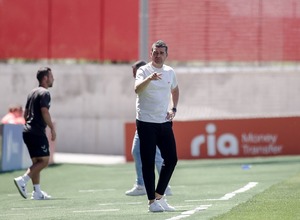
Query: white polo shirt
pixel 153 102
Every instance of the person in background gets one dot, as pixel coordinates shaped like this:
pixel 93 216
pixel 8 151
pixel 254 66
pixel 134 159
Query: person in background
pixel 37 118
pixel 14 115
pixel 139 187
pixel 157 88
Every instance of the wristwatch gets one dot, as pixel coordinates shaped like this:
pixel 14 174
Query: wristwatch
pixel 174 109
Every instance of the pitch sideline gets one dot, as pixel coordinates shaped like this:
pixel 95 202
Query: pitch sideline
pixel 227 196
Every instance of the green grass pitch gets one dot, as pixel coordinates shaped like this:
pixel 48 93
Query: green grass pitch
pixel 202 189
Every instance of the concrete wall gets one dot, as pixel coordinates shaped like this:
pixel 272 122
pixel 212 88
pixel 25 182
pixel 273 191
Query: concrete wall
pixel 91 102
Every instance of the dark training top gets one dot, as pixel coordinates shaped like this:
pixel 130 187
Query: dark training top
pixel 37 99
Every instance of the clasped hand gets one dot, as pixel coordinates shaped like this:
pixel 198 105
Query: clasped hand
pixel 170 115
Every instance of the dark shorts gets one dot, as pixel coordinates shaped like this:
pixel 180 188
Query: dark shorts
pixel 38 146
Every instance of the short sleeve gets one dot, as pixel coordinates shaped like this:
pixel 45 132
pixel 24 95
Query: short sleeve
pixel 174 81
pixel 140 76
pixel 45 99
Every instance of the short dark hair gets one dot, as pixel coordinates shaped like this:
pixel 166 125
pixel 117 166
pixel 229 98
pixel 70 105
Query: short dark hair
pixel 139 63
pixel 160 44
pixel 43 71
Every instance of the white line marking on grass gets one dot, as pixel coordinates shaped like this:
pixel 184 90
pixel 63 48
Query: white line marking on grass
pixel 16 194
pixel 204 207
pixel 119 203
pixel 94 190
pixel 241 190
pixel 179 186
pixel 229 195
pixel 190 212
pixel 99 210
pixel 29 208
pixel 5 215
pixel 184 206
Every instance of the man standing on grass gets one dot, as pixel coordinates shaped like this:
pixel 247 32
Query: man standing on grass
pixel 37 118
pixel 155 84
pixel 139 187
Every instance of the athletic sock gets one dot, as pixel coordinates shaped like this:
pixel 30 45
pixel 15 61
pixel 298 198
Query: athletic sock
pixel 37 187
pixel 26 178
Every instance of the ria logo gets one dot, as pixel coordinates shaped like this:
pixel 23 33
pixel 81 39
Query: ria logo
pixel 225 144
